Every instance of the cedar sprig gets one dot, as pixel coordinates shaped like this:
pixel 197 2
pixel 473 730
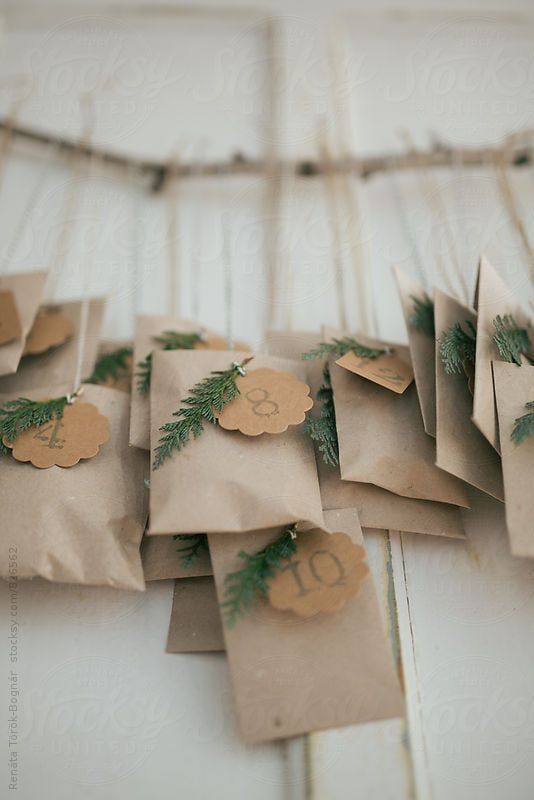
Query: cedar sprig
pixel 323 430
pixel 511 341
pixel 340 347
pixel 458 346
pixel 169 340
pixel 194 545
pixel 16 416
pixel 524 426
pixel 207 397
pixel 422 316
pixel 112 365
pixel 243 587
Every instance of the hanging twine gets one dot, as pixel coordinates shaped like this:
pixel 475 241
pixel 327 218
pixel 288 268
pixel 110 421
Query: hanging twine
pixel 510 203
pixel 400 208
pixel 173 265
pixel 272 172
pixel 336 43
pixel 335 225
pixel 228 278
pixel 431 193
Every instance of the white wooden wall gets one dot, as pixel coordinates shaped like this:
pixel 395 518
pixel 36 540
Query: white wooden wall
pixel 459 616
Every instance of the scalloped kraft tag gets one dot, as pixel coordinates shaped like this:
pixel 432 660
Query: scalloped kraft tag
pixel 388 370
pixel 326 570
pixel 50 329
pixel 269 402
pixel 63 442
pixel 10 324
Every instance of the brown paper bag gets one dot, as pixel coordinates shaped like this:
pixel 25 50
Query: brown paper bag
pixel 493 298
pixel 422 351
pixel 292 675
pixel 382 439
pixel 461 448
pixel 123 380
pixel 82 524
pixel 28 290
pixel 195 624
pixel 377 508
pixel 147 326
pixel 161 560
pixel 514 387
pixel 58 365
pixel 225 481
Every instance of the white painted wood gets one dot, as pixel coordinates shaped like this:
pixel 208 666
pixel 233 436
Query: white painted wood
pixel 471 607
pixel 464 612
pixel 106 713
pixel 372 758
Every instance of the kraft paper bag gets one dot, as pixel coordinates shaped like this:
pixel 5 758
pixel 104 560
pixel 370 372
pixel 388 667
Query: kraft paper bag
pixel 58 365
pixel 83 524
pixel 27 288
pixel 162 560
pixel 422 351
pixel 382 439
pixel 224 481
pixel 493 298
pixel 461 449
pixel 147 327
pixel 195 624
pixel 514 387
pixel 292 675
pixel 123 380
pixel 377 508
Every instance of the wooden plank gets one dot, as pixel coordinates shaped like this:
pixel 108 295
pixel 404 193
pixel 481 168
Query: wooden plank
pixel 469 624
pixel 373 760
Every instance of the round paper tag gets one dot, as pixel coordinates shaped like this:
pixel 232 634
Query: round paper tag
pixel 50 329
pixel 269 402
pixel 63 442
pixel 324 572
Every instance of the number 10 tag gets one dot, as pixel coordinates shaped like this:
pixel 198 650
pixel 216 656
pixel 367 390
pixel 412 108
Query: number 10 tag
pixel 325 571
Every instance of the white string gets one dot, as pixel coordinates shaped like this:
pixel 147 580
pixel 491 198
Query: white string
pixel 407 229
pixel 228 278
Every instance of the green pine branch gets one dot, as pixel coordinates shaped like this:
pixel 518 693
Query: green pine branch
pixel 206 398
pixel 457 346
pixel 422 317
pixel 511 341
pixel 323 430
pixel 524 426
pixel 112 365
pixel 194 545
pixel 169 340
pixel 16 416
pixel 242 588
pixel 339 347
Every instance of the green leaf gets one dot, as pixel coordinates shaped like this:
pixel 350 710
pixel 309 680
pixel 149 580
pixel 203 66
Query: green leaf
pixel 456 346
pixel 16 416
pixel 208 396
pixel 323 430
pixel 169 340
pixel 422 317
pixel 524 426
pixel 194 545
pixel 511 341
pixel 242 588
pixel 111 365
pixel 340 347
